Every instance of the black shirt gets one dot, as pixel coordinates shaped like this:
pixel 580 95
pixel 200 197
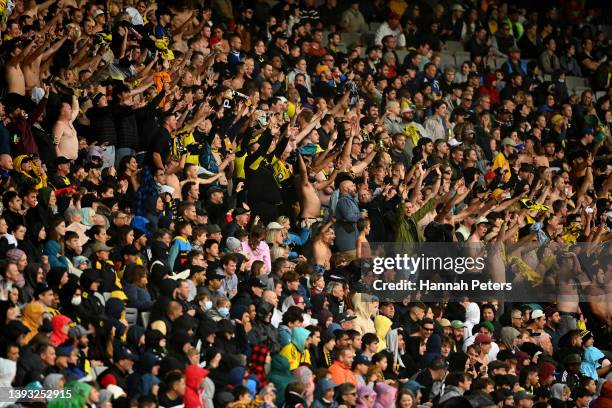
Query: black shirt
pixel 160 144
pixel 165 402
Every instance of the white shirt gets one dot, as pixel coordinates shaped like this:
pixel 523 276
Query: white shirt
pixel 384 30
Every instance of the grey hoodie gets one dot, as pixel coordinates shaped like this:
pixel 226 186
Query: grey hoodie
pixel 450 391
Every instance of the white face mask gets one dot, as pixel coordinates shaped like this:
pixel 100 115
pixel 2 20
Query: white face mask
pixel 76 300
pixel 207 304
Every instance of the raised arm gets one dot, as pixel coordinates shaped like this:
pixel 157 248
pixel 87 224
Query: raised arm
pixel 75 108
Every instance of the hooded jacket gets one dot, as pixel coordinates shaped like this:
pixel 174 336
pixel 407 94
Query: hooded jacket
pixel 362 392
pixel 32 313
pixel 382 328
pixel 8 369
pixel 52 250
pixel 393 347
pixel 363 323
pixel 280 376
pixel 385 395
pixel 193 386
pixel 263 332
pixel 140 382
pixel 590 362
pixel 58 336
pixel 296 351
pixel 450 391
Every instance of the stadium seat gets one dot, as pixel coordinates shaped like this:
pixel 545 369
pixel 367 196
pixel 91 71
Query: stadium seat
pixel 145 318
pixel 547 77
pixel 574 81
pixel 96 371
pixel 368 39
pixel 498 62
pixel 461 56
pixel 131 315
pixel 350 38
pixel 447 60
pixel 454 46
pixel 401 55
pixel 580 89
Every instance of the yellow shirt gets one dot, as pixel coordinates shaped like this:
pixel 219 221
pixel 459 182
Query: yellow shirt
pixel 291 353
pixel 500 162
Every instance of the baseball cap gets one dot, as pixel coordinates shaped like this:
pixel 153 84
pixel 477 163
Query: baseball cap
pixel 413 386
pixel 78 331
pixel 483 338
pixel 124 354
pixel 572 359
pixel 239 211
pixel 61 160
pixel 361 359
pixel 41 288
pixel 482 220
pixel 457 324
pixel 99 246
pixel 258 283
pixel 522 395
pixel 345 318
pixel 215 275
pixel 63 351
pixel 508 142
pixel 214 189
pixel 444 323
pixel 212 229
pixel 536 314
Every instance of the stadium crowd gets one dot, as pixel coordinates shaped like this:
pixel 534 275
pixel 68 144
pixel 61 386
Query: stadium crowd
pixel 190 190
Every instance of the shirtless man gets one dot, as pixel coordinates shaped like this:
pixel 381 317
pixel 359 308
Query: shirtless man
pixel 322 244
pixel 32 62
pixel 310 203
pixel 567 293
pixel 13 71
pixel 599 295
pixel 64 133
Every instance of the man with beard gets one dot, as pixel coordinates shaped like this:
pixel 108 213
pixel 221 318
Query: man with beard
pixel 600 302
pixel 347 214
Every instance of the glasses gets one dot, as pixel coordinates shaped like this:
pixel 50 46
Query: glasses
pixel 354 393
pixel 428 329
